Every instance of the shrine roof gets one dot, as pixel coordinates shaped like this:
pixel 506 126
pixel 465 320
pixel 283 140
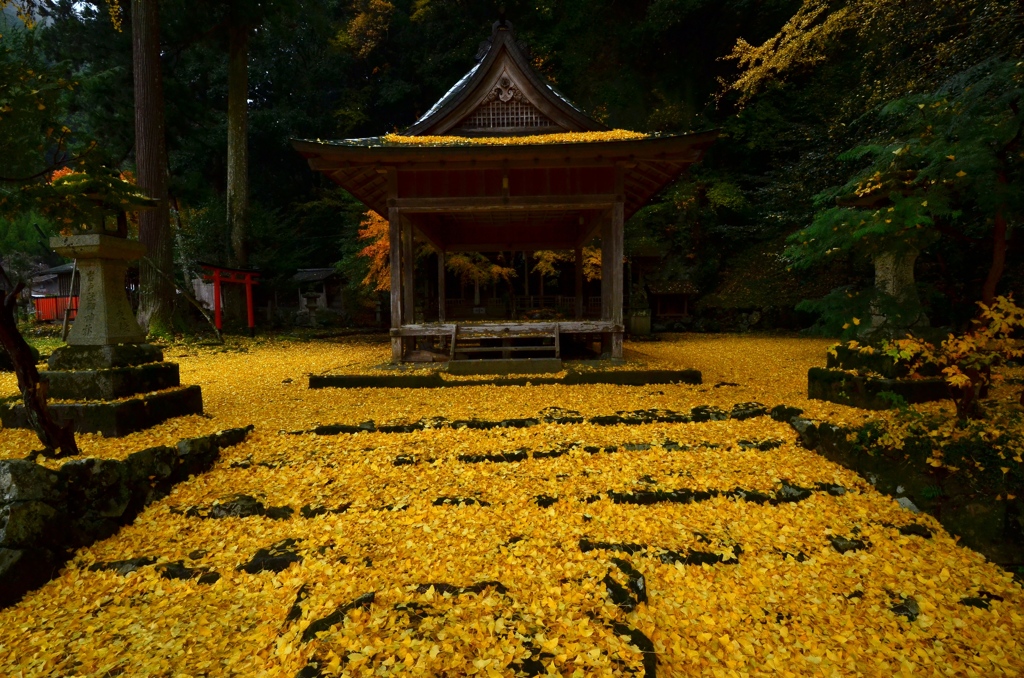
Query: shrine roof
pixel 452 140
pixel 649 163
pixel 502 95
pixel 314 274
pixel 503 124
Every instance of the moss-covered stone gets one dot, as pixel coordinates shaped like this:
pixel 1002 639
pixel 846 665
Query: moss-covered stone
pixel 966 505
pixel 44 514
pixel 68 358
pixel 573 378
pixel 115 419
pixel 112 383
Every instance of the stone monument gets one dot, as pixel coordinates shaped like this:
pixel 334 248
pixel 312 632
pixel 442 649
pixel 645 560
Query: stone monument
pixel 107 380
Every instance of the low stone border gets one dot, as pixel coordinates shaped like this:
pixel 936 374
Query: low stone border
pixel 45 514
pixel 573 378
pixel 554 415
pixel 993 528
pixel 841 387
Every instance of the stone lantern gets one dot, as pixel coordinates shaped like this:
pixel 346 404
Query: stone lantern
pixel 105 317
pixel 110 380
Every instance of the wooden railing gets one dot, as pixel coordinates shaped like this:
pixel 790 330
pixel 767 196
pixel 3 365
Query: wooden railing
pixel 502 308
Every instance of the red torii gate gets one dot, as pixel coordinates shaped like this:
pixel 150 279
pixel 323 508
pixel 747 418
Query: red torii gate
pixel 221 274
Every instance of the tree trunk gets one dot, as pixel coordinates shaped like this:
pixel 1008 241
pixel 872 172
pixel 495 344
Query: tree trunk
pixel 33 390
pixel 238 145
pixel 156 293
pixel 995 271
pixel 894 279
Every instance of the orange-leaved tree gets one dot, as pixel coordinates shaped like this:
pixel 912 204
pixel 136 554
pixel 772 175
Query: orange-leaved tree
pixel 470 267
pixel 374 228
pixel 967 361
pixel 548 260
pixel 475 268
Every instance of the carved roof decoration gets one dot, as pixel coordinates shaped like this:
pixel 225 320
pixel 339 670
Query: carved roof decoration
pixel 502 95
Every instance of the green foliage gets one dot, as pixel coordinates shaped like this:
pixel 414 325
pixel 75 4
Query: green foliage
pixel 894 400
pixel 332 217
pixel 38 147
pixel 904 223
pixel 345 68
pixel 860 103
pixel 940 152
pixel 943 162
pixel 27 233
pixel 844 311
pixel 33 138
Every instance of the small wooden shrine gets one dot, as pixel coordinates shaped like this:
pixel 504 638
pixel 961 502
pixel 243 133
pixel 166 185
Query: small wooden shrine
pixel 505 162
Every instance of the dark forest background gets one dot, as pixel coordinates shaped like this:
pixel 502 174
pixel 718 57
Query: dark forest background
pixel 830 78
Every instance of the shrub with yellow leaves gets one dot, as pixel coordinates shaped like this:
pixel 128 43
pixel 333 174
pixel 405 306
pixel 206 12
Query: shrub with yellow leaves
pixel 967 361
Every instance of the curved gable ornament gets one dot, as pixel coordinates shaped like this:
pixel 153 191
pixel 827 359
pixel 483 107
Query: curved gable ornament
pixel 502 96
pixel 506 90
pixel 506 110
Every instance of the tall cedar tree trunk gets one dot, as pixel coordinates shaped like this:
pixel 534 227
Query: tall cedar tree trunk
pixel 999 246
pixel 156 293
pixel 33 390
pixel 238 148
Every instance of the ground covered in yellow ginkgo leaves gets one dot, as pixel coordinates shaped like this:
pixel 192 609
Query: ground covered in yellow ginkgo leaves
pixel 502 531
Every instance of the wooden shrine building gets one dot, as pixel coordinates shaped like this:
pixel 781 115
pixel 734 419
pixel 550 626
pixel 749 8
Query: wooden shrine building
pixel 463 179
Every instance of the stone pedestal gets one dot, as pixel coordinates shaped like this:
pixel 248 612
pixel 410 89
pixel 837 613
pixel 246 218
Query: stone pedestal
pixel 111 390
pixel 106 380
pixel 870 380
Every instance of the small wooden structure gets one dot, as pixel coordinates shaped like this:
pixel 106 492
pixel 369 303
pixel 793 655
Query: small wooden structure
pixel 327 283
pixel 671 300
pixel 54 291
pixel 488 197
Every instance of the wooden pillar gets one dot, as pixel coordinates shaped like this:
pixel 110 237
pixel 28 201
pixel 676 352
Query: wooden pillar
pixel 441 296
pixel 395 236
pixel 579 283
pixel 611 270
pixel 606 266
pixel 249 282
pixel 216 299
pixel 408 288
pixel 618 229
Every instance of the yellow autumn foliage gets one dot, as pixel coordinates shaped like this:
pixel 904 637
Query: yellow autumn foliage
pixel 529 140
pixel 540 596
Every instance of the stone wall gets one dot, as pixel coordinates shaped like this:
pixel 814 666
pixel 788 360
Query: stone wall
pixel 46 514
pixel 967 509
